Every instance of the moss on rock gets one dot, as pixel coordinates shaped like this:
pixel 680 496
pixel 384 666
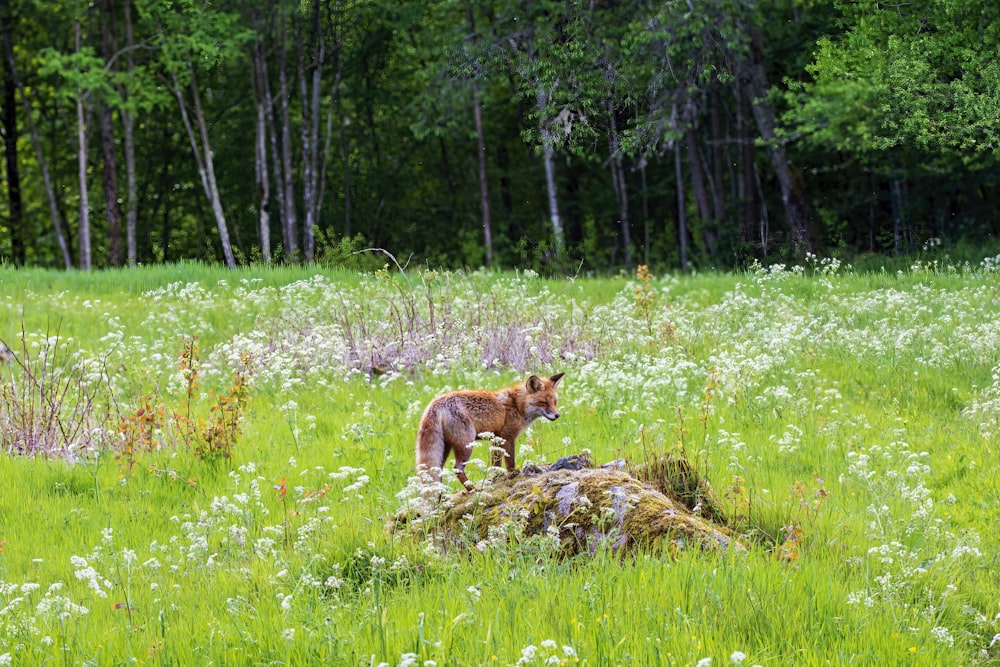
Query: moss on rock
pixel 664 506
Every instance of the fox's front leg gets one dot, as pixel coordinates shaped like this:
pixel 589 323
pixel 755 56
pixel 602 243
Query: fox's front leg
pixel 499 453
pixel 507 454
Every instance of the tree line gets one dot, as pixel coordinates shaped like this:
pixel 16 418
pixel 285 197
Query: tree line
pixel 680 133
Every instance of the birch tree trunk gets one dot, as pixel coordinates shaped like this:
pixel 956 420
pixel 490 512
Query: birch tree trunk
pixel 549 160
pixel 81 159
pixel 258 59
pixel 276 155
pixel 484 186
pixel 201 148
pixel 548 155
pixel 477 117
pixel 289 220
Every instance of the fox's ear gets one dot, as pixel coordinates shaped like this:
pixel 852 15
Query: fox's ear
pixel 534 384
pixel 556 378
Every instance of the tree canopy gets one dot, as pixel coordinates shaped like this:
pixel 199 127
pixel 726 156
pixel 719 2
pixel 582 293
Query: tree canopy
pixel 563 133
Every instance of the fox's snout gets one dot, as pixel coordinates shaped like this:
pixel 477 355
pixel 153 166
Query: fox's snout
pixel 551 416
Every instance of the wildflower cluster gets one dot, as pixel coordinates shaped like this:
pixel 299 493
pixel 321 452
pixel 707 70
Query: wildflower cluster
pixel 784 371
pixel 548 652
pixel 918 580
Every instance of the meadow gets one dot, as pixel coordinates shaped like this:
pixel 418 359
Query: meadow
pixel 199 465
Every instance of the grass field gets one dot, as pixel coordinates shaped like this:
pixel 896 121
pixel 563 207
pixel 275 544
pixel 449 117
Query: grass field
pixel 200 464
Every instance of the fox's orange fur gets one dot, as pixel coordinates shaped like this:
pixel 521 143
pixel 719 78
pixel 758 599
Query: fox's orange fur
pixel 453 421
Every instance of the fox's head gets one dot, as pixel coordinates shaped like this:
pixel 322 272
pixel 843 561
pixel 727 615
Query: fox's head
pixel 542 399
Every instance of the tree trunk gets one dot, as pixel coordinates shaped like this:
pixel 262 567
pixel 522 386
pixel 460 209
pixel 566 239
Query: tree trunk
pixel 548 155
pixel 202 151
pixel 212 184
pixel 745 188
pixel 276 152
pixel 681 205
pixel 289 221
pixel 477 117
pixel 899 226
pixel 764 219
pixel 324 163
pixel 618 184
pixel 112 210
pixel 370 94
pixel 43 166
pixel 258 57
pixel 128 125
pixel 696 162
pixel 697 166
pixel 872 212
pixel 345 156
pixel 719 160
pixel 81 159
pixel 309 91
pixel 165 235
pixel 506 189
pixel 645 212
pixel 10 136
pixel 797 214
pixel 549 159
pixel 484 185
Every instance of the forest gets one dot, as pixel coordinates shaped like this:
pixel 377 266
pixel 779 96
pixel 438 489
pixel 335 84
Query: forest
pixel 680 134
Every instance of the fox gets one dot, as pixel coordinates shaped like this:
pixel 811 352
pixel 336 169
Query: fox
pixel 453 421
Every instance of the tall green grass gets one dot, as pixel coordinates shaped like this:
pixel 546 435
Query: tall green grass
pixel 848 417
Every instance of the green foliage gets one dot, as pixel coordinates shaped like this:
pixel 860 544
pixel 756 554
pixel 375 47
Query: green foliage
pixel 912 78
pixel 82 71
pixel 874 95
pixel 198 33
pixel 347 253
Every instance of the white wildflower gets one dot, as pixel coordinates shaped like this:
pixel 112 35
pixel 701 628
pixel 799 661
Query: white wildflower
pixel 942 635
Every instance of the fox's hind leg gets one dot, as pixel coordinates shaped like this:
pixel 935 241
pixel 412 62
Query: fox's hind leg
pixel 431 450
pixel 462 453
pixel 430 462
pixel 461 434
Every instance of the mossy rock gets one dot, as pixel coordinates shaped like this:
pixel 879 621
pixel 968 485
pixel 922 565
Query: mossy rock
pixel 676 478
pixel 591 508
